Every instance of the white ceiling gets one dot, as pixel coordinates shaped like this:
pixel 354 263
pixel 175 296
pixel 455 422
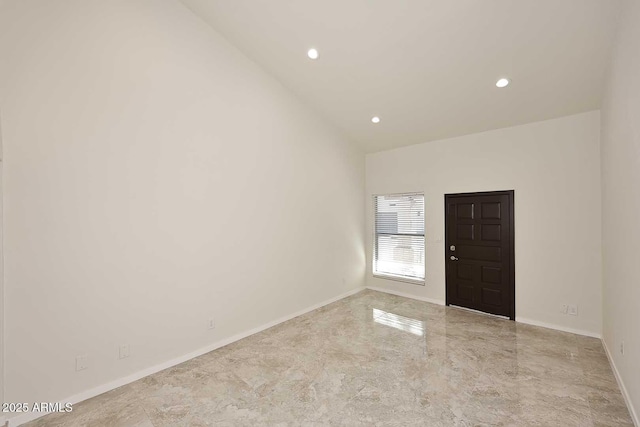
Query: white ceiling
pixel 427 67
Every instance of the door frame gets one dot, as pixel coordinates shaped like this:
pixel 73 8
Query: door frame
pixel 512 267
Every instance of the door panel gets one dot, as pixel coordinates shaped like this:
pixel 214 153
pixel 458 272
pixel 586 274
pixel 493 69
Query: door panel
pixel 479 251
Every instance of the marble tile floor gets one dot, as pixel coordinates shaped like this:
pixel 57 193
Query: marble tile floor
pixel 375 359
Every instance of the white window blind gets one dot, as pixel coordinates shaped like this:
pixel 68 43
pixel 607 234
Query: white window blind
pixel 399 236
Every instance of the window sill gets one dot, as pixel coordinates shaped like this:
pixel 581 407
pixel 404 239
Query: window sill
pixel 420 282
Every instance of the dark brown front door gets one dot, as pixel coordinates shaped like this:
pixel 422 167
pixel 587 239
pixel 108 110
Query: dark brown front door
pixel 479 252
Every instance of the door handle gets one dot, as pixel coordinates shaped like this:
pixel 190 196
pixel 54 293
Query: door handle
pixel 452 258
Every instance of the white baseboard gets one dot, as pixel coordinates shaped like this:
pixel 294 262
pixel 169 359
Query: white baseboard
pixel 623 389
pixel 87 394
pixel 558 328
pixel 402 294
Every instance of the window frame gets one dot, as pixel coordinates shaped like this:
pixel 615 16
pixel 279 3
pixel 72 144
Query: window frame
pixel 397 278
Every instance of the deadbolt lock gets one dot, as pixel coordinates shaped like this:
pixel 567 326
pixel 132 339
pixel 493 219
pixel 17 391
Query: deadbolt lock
pixel 452 247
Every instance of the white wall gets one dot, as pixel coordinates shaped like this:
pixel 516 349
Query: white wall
pixel 155 177
pixel 621 203
pixel 554 168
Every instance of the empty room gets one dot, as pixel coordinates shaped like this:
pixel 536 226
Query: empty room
pixel 318 213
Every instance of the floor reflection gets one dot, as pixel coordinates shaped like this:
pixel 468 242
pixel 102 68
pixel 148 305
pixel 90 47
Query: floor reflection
pixel 406 324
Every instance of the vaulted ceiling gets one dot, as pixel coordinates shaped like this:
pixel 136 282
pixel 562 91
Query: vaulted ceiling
pixel 427 68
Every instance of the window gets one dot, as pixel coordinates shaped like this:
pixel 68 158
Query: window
pixel 399 236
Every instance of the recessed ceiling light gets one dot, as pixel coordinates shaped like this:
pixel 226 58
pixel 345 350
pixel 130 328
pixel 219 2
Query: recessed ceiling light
pixel 375 119
pixel 502 82
pixel 312 53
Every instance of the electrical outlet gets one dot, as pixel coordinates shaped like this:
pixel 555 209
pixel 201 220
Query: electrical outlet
pixel 212 323
pixel 82 362
pixel 124 351
pixel 565 308
pixel 573 310
pixel 622 348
